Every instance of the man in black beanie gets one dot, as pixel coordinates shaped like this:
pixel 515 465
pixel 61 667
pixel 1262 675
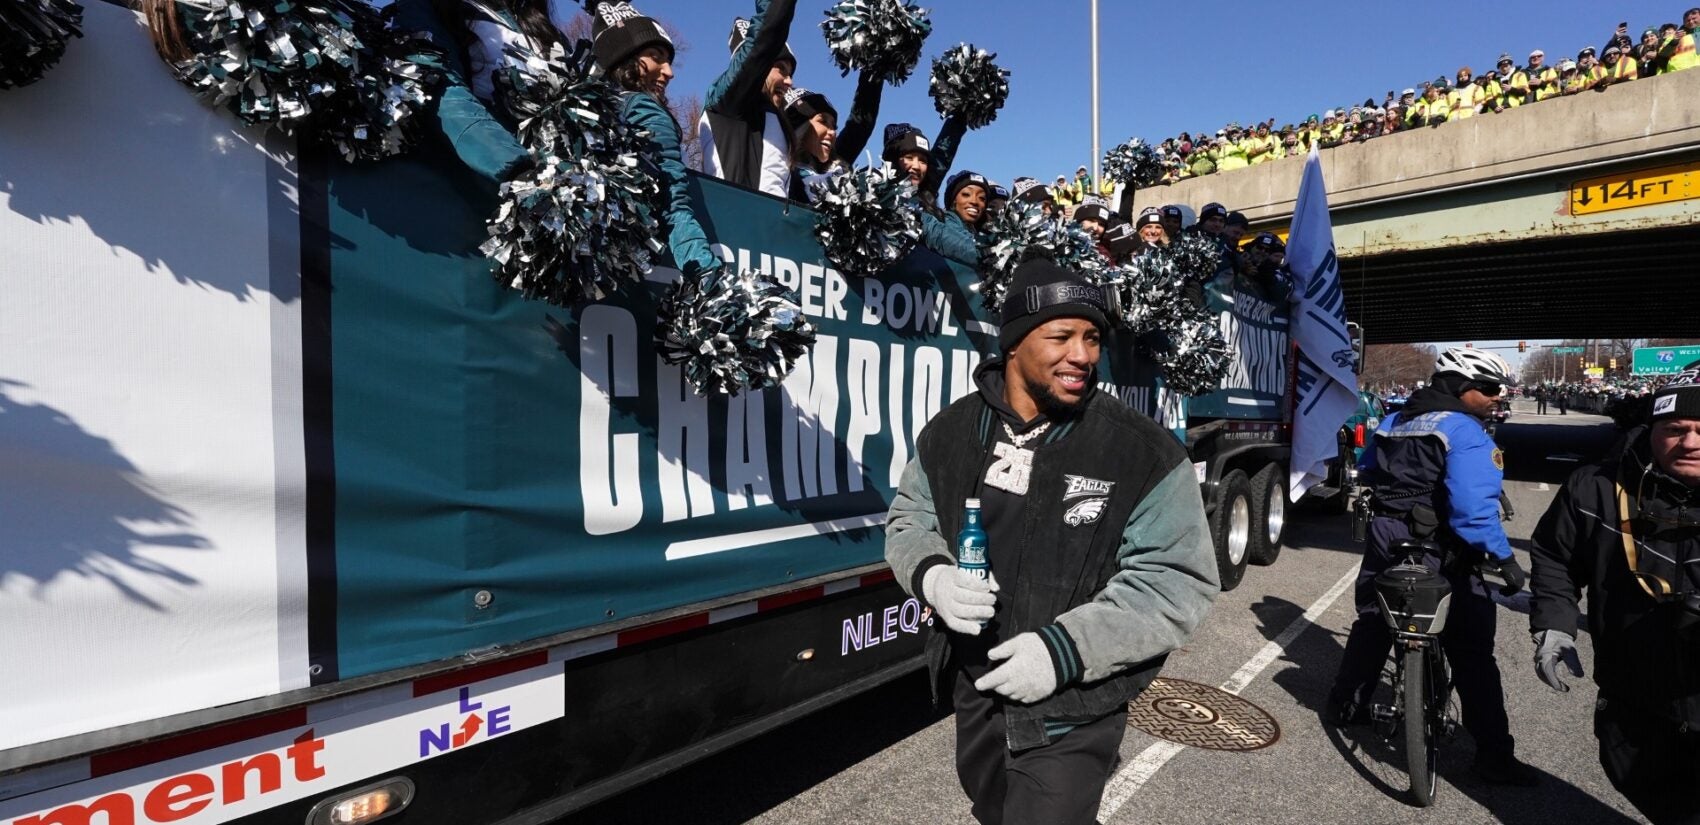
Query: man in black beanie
pixel 1626 533
pixel 1101 561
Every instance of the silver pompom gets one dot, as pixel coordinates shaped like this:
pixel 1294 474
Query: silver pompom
pixel 33 34
pixel 331 71
pixel 867 219
pixel 732 331
pixel 967 84
pixel 1133 163
pixel 1197 359
pixel 880 37
pixel 577 226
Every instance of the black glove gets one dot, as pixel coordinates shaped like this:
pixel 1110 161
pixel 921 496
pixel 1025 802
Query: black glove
pixel 1509 570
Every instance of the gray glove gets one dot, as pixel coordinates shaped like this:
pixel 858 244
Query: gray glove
pixel 1027 676
pixel 962 599
pixel 1552 647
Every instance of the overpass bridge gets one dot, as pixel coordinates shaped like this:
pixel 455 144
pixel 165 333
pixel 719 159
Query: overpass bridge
pixel 1576 217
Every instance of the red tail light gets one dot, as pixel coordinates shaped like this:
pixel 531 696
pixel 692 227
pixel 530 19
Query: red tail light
pixel 1358 436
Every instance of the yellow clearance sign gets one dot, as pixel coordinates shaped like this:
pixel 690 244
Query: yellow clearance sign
pixel 1627 190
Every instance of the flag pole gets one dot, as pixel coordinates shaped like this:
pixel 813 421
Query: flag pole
pixel 1096 155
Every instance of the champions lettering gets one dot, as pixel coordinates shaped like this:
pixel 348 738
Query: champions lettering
pixel 1259 339
pixel 889 356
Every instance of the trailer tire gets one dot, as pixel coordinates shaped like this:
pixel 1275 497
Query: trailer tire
pixel 1268 514
pixel 1232 528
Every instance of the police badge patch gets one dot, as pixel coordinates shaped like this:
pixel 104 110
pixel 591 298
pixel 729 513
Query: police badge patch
pixel 1094 496
pixel 1498 459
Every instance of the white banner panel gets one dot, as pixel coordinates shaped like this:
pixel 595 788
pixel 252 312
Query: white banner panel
pixel 150 551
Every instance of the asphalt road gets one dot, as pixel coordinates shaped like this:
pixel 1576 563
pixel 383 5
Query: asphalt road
pixel 886 756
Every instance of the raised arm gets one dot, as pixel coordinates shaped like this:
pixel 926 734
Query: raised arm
pixel 738 89
pixel 944 155
pixel 685 236
pixel 482 142
pixel 864 115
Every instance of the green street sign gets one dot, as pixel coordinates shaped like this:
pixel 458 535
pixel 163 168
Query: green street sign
pixel 1568 350
pixel 1664 360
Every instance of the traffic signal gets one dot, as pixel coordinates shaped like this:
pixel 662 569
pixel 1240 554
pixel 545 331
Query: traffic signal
pixel 1522 346
pixel 1614 363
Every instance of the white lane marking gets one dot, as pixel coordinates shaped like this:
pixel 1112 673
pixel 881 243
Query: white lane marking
pixel 1130 779
pixel 1544 487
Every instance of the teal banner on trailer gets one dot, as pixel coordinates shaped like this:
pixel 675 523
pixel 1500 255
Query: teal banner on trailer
pixel 547 458
pixel 1256 325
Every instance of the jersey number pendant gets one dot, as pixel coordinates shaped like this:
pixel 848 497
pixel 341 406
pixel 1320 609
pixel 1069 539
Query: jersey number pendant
pixel 1010 469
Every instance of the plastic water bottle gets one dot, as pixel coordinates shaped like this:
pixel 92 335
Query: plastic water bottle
pixel 971 543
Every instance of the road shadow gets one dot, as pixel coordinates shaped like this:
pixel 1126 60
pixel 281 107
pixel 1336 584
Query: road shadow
pixel 750 779
pixel 71 504
pixel 1376 753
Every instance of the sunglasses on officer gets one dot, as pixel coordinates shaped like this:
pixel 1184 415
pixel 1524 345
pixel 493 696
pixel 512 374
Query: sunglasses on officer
pixel 1489 390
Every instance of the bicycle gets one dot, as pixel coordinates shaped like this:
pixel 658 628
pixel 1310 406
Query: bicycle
pixel 1414 600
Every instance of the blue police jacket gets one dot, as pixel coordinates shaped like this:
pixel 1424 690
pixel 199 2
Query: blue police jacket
pixel 1447 460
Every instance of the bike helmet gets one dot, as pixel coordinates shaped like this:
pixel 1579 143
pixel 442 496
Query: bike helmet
pixel 1473 365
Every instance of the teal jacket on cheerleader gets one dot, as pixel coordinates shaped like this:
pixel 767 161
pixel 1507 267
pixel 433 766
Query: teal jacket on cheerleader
pixel 942 230
pixel 481 141
pixel 950 236
pixel 685 236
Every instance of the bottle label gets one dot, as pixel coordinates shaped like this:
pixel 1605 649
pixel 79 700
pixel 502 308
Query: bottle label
pixel 971 554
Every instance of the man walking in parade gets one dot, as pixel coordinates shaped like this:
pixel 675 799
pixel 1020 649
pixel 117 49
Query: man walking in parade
pixel 1435 474
pixel 1626 533
pixel 1101 562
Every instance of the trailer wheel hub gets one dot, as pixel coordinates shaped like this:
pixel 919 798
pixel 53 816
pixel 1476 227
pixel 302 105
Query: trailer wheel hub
pixel 1201 716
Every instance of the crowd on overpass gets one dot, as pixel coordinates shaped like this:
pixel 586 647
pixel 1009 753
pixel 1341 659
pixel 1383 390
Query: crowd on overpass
pixel 1661 50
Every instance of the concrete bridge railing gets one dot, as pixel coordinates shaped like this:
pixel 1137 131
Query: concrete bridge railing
pixel 1646 120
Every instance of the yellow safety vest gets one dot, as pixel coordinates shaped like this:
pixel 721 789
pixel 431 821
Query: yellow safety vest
pixel 1684 56
pixel 1573 84
pixel 1544 83
pixel 1594 75
pixel 1268 144
pixel 1231 156
pixel 1464 101
pixel 1627 68
pixel 1516 89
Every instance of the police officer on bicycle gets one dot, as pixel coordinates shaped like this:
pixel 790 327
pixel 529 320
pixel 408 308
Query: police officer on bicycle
pixel 1434 474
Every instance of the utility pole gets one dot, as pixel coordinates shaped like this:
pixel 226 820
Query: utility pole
pixel 1096 155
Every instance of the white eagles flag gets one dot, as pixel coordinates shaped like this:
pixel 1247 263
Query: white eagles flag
pixel 1326 385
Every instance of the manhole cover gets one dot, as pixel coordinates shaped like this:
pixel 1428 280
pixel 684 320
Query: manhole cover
pixel 1202 717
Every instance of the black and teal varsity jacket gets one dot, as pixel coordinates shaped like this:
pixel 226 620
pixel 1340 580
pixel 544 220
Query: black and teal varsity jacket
pixel 1113 567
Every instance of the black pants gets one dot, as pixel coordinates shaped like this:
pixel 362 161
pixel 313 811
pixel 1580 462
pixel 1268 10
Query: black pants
pixel 1651 762
pixel 1541 406
pixel 1056 784
pixel 1467 640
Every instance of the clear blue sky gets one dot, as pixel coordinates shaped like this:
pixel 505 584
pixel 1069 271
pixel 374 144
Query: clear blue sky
pixel 1169 67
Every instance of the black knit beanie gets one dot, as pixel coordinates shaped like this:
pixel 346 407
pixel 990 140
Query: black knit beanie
pixel 618 31
pixel 1040 291
pixel 1680 397
pixel 901 138
pixel 801 106
pixel 741 31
